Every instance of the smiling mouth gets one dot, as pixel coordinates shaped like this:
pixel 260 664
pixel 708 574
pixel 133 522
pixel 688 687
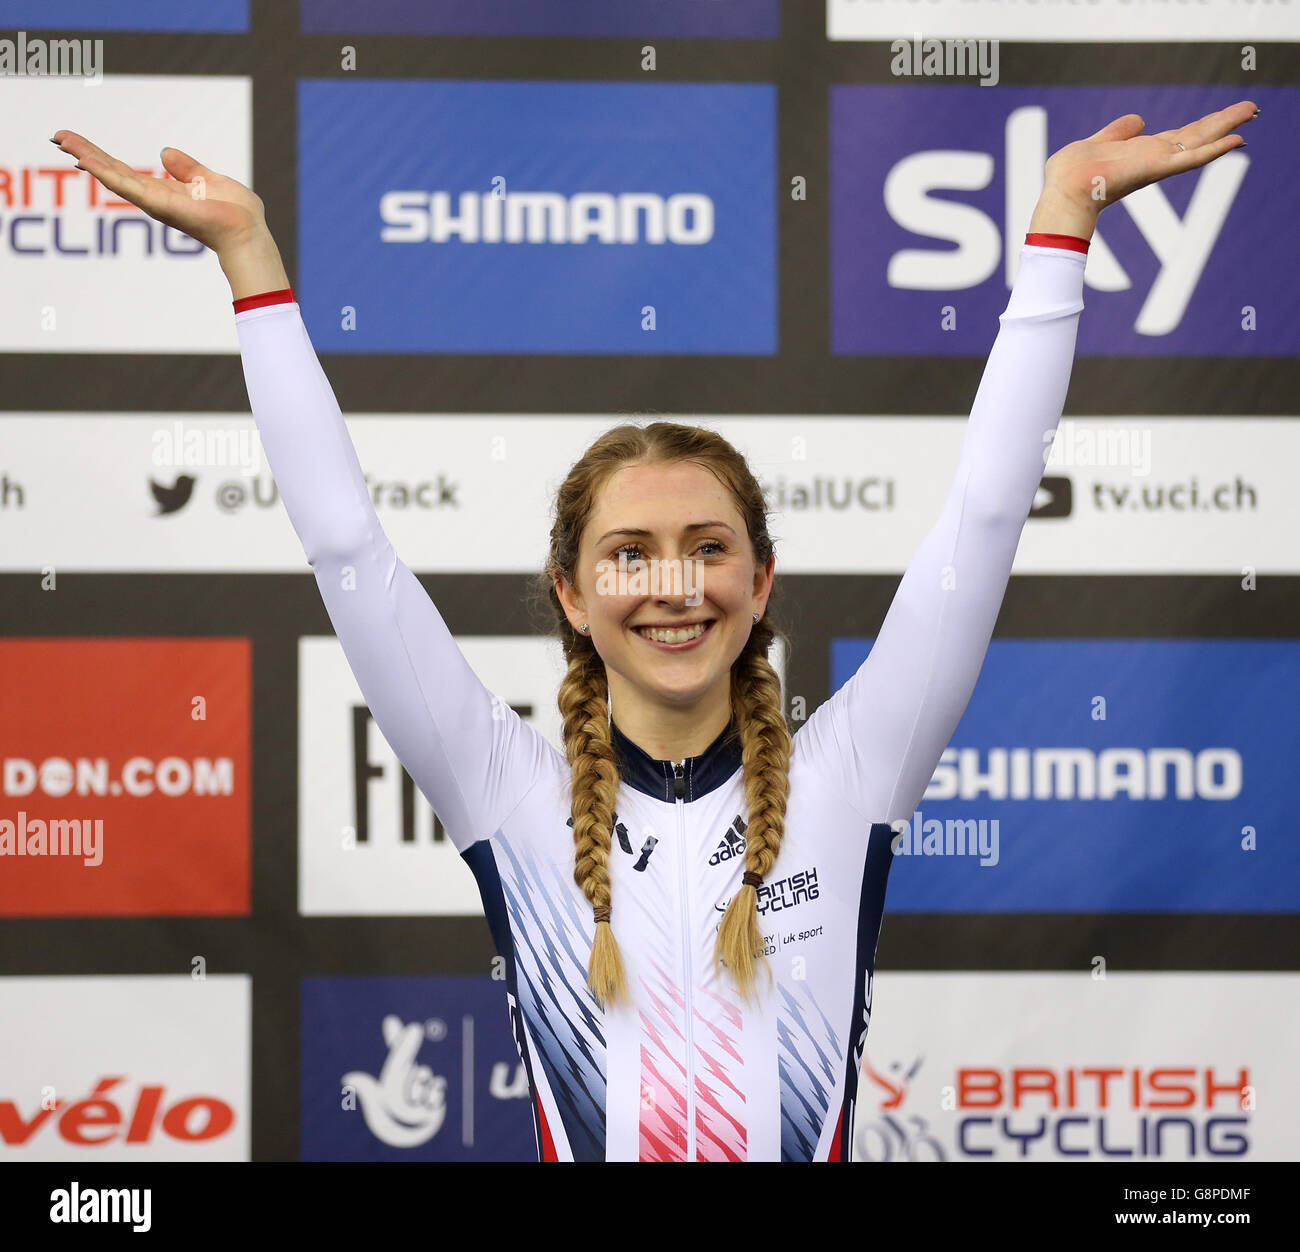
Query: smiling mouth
pixel 674 636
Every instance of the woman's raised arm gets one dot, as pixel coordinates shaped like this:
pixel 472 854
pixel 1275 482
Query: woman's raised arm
pixel 882 734
pixel 471 755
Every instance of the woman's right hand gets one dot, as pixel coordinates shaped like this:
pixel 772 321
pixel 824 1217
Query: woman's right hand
pixel 217 211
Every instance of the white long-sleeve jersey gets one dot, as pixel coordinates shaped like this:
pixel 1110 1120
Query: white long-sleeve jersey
pixel 689 1071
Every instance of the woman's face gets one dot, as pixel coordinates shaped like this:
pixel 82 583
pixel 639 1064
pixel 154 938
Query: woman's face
pixel 666 548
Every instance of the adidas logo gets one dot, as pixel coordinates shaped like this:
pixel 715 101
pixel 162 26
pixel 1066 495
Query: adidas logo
pixel 732 843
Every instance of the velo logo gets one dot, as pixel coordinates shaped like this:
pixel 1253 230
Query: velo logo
pixel 956 173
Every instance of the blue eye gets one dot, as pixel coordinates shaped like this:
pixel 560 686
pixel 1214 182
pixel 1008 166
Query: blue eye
pixel 634 549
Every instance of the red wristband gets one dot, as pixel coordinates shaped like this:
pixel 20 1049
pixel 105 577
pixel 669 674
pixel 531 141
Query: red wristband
pixel 1041 240
pixel 283 296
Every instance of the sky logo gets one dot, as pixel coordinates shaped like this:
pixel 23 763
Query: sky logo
pixel 538 217
pixel 1124 775
pixel 685 19
pixel 933 189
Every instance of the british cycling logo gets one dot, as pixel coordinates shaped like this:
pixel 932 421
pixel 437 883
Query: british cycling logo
pixel 407 1104
pixel 784 893
pixel 895 1137
pixel 1057 1112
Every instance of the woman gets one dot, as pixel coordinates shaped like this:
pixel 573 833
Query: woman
pixel 722 1016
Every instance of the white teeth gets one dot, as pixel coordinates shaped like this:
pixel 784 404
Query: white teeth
pixel 673 636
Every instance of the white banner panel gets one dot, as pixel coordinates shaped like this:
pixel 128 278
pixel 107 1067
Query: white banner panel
pixel 1066 21
pixel 473 494
pixel 84 271
pixel 125 1068
pixel 1076 1067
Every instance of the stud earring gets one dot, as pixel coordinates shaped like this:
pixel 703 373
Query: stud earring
pixel 584 628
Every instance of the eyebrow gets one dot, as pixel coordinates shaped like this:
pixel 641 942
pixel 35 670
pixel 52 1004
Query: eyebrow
pixel 628 530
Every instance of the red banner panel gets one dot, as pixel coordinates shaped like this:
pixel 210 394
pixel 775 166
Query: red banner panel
pixel 124 777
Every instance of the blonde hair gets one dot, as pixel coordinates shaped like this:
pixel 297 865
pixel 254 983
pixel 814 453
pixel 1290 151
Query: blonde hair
pixel 764 737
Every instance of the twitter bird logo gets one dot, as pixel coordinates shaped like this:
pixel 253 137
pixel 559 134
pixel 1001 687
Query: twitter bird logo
pixel 174 498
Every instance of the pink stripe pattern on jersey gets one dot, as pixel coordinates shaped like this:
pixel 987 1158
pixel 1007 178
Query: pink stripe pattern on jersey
pixel 719 1100
pixel 663 1072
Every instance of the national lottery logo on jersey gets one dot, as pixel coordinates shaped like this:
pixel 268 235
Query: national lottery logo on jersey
pixel 933 188
pixel 512 217
pixel 1088 1110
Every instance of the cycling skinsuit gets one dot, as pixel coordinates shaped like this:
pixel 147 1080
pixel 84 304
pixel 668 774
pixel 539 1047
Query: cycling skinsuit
pixel 690 1071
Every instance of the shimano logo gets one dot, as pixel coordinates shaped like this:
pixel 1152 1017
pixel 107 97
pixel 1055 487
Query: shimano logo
pixel 1082 774
pixel 545 217
pixel 732 843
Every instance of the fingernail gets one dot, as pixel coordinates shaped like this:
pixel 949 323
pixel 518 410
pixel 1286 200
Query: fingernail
pixel 56 142
pixel 1254 115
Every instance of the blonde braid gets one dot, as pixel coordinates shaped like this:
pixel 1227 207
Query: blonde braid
pixel 583 699
pixel 765 758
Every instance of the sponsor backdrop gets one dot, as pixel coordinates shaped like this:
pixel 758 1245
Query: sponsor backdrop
pixel 511 226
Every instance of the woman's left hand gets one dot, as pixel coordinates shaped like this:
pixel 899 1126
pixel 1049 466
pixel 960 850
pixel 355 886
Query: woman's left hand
pixel 1091 173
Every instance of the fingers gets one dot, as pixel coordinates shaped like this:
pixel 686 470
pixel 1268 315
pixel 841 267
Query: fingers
pixel 1194 158
pixel 1121 128
pixel 148 193
pixel 183 167
pixel 1213 126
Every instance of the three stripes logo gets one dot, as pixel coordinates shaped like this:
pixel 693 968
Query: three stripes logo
pixel 732 843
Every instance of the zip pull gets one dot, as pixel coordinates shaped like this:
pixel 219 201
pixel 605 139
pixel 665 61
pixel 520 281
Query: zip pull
pixel 679 782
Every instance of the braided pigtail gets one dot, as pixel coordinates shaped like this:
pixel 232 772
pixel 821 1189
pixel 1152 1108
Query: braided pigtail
pixel 583 699
pixel 765 747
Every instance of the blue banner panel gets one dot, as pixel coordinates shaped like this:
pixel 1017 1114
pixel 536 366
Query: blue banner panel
pixel 537 217
pixel 932 190
pixel 1152 775
pixel 700 19
pixel 412 1069
pixel 147 15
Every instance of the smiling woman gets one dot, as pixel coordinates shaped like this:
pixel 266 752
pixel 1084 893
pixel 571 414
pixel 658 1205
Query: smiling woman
pixel 723 1015
pixel 676 675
